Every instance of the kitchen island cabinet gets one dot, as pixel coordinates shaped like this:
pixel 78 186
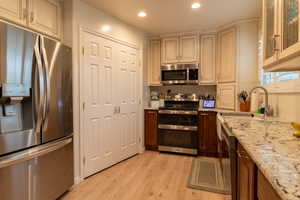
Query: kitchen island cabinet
pixel 265 190
pixel 246 175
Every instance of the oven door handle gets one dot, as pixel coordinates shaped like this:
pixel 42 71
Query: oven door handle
pixel 178 127
pixel 178 112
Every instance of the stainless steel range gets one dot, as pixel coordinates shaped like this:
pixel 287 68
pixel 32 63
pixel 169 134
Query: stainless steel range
pixel 178 124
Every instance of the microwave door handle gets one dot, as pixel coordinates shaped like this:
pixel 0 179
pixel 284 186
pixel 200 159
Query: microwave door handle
pixel 47 81
pixel 188 74
pixel 40 90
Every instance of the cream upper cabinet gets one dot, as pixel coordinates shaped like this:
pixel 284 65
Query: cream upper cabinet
pixel 13 11
pixel 208 59
pixel 154 63
pixel 39 15
pixel 183 49
pixel 45 16
pixel 270 18
pixel 226 96
pixel 188 49
pixel 170 50
pixel 227 56
pixel 281 31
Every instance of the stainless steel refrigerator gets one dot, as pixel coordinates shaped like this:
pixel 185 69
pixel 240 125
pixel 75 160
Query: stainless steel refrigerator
pixel 36 119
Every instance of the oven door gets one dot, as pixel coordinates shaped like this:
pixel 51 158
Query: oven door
pixel 178 141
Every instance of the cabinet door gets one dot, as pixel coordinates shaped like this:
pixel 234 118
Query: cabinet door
pixel 13 10
pixel 289 27
pixel 154 63
pixel 246 176
pixel 170 50
pixel 208 59
pixel 151 120
pixel 265 190
pixel 45 16
pixel 270 20
pixel 208 133
pixel 227 56
pixel 226 96
pixel 188 49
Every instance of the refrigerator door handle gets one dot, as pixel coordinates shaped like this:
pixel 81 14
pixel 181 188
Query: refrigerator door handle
pixel 41 95
pixel 48 85
pixel 33 153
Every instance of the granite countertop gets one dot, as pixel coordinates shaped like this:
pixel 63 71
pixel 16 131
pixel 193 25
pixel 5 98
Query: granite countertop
pixel 200 109
pixel 274 149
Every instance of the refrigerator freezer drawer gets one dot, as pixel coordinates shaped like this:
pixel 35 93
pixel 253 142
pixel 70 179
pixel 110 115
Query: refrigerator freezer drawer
pixel 52 174
pixel 41 173
pixel 14 182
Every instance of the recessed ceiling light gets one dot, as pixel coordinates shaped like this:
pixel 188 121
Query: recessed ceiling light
pixel 142 14
pixel 105 28
pixel 196 5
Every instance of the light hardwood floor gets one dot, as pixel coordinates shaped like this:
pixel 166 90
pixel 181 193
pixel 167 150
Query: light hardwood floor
pixel 148 176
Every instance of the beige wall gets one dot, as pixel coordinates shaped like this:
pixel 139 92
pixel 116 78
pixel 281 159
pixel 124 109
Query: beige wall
pixel 287 106
pixel 85 16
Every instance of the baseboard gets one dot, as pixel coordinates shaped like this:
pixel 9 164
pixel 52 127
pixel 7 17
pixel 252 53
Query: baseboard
pixel 78 180
pixel 142 149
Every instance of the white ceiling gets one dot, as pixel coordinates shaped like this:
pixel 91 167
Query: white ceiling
pixel 169 16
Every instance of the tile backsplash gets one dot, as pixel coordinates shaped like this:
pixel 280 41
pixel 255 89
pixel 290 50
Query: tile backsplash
pixel 187 89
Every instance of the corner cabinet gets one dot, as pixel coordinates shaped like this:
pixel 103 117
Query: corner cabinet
pixel 43 16
pixel 13 11
pixel 151 127
pixel 227 48
pixel 154 63
pixel 207 59
pixel 226 96
pixel 182 49
pixel 281 31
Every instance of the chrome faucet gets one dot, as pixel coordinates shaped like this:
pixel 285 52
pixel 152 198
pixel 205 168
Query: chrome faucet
pixel 268 111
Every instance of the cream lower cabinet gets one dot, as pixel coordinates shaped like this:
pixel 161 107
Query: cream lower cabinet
pixel 13 11
pixel 207 59
pixel 45 16
pixel 226 96
pixel 227 56
pixel 154 63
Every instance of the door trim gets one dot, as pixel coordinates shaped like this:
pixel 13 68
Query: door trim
pixel 82 31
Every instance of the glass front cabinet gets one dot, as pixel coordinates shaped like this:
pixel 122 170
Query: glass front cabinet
pixel 281 35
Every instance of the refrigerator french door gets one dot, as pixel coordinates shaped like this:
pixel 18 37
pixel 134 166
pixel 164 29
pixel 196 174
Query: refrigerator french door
pixel 36 123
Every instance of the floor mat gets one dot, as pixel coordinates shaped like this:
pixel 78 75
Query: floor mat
pixel 207 174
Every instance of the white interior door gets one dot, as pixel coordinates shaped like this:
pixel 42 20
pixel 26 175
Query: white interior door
pixel 127 101
pixel 98 100
pixel 110 95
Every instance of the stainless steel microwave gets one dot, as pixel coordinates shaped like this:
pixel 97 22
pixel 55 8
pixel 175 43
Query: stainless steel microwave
pixel 180 74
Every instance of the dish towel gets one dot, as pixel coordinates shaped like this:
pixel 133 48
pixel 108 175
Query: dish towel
pixel 220 120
